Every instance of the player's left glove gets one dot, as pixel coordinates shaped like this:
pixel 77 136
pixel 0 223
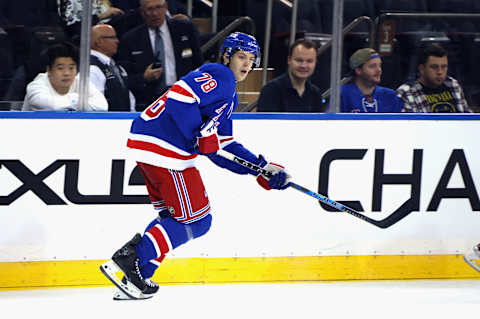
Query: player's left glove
pixel 208 139
pixel 279 180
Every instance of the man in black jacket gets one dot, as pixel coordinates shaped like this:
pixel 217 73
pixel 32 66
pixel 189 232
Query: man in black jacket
pixel 109 77
pixel 292 91
pixel 157 53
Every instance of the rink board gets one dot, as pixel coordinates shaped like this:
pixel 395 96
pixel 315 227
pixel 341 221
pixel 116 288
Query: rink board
pixel 241 270
pixel 63 209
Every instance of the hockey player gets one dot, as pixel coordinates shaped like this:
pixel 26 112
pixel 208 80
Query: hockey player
pixel 192 118
pixel 473 257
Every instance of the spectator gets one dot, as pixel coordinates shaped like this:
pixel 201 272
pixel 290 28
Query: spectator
pixel 433 91
pixel 57 89
pixel 363 94
pixel 158 52
pixel 70 12
pixel 108 77
pixel 292 91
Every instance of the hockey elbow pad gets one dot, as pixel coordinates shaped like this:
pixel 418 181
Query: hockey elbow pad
pixel 208 139
pixel 280 179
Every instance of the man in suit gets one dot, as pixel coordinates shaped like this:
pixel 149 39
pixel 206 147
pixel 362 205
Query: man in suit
pixel 108 77
pixel 157 53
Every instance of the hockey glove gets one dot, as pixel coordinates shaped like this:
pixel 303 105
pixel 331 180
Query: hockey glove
pixel 279 180
pixel 208 138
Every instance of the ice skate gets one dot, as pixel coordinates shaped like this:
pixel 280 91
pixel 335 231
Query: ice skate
pixel 473 258
pixel 126 260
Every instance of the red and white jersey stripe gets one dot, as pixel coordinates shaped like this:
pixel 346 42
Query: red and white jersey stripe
pixel 157 152
pixel 225 140
pixel 182 92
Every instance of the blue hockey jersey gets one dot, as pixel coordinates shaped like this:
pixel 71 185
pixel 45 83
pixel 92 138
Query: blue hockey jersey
pixel 383 100
pixel 165 133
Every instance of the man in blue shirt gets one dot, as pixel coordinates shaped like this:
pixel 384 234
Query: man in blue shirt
pixel 363 94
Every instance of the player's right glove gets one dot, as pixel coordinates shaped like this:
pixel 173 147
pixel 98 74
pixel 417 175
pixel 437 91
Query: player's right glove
pixel 279 180
pixel 208 139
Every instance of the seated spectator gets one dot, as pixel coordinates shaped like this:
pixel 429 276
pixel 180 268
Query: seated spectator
pixel 57 89
pixel 108 77
pixel 363 94
pixel 157 53
pixel 35 60
pixel 70 12
pixel 292 91
pixel 433 91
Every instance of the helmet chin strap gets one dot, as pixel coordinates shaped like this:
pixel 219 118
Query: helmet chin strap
pixel 225 57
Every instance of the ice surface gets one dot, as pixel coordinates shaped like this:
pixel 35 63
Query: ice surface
pixel 354 299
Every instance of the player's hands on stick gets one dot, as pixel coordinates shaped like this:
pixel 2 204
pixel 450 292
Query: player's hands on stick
pixel 280 179
pixel 208 139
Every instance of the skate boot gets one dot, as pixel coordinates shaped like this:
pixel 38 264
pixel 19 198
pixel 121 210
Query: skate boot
pixel 473 257
pixel 126 260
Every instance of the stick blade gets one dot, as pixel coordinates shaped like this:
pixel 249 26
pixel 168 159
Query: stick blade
pixel 404 210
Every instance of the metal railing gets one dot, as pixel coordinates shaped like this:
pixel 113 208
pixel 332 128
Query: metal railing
pixel 268 28
pixel 213 4
pixel 426 15
pixel 352 25
pixel 227 30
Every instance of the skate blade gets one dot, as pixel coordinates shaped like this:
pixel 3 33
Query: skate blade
pixel 120 295
pixel 472 260
pixel 110 270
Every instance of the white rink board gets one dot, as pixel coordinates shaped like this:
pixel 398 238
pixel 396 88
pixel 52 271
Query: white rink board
pixel 247 221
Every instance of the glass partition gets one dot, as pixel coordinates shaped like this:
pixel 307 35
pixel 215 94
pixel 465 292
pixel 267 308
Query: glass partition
pixel 398 30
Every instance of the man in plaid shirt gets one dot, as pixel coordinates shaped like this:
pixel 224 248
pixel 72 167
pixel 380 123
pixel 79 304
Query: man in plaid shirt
pixel 433 91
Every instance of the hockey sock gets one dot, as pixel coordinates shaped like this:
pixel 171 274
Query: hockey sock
pixel 149 268
pixel 167 234
pixel 155 243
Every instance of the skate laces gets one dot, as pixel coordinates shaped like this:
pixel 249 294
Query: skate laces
pixel 137 270
pixel 147 282
pixel 151 283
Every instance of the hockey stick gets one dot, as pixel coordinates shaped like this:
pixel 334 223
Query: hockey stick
pixel 393 218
